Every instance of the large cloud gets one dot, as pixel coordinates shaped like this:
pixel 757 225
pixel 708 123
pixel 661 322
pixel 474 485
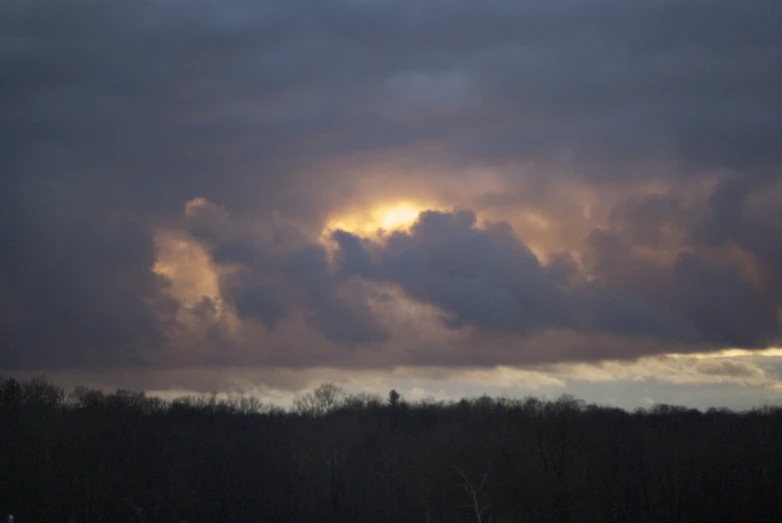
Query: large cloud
pixel 76 291
pixel 713 259
pixel 255 90
pixel 488 278
pixel 628 154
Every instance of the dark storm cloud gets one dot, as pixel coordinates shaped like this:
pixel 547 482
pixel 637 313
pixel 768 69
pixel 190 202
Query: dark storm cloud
pixel 75 292
pixel 487 278
pixel 282 273
pixel 726 307
pixel 734 218
pixel 113 114
pixel 182 95
pixel 730 301
pixel 259 301
pixel 337 318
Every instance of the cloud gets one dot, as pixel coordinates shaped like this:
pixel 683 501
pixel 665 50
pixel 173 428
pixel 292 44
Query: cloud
pixel 699 258
pixel 483 276
pixel 603 181
pixel 76 292
pixel 729 368
pixel 679 370
pixel 487 278
pixel 280 273
pixel 194 92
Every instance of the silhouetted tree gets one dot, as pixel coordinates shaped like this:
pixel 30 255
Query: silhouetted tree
pixel 323 399
pixel 128 457
pixel 393 398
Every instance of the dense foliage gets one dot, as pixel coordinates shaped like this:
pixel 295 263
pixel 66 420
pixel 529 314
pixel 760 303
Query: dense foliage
pixel 94 457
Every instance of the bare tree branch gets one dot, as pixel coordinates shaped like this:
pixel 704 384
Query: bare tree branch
pixel 474 492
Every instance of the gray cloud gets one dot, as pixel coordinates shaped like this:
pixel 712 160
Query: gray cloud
pixel 719 269
pixel 76 292
pixel 113 115
pixel 282 273
pixel 730 368
pixel 487 278
pixel 198 91
pixel 725 307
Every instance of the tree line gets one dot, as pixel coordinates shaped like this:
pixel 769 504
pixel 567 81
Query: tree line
pixel 91 456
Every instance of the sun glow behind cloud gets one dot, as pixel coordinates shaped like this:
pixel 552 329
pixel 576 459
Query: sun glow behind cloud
pixel 379 219
pixel 398 217
pixel 187 264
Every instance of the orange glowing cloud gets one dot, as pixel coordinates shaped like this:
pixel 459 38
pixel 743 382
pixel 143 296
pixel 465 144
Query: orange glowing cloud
pixel 369 222
pixel 188 267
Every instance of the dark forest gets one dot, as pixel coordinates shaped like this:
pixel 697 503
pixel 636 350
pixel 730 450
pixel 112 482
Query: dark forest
pixel 89 456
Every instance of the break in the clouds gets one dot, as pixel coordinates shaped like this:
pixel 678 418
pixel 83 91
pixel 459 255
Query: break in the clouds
pixel 369 185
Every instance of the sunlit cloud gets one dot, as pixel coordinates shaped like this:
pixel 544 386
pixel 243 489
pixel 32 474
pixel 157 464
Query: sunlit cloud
pixel 677 369
pixel 379 219
pixel 188 268
pixel 772 352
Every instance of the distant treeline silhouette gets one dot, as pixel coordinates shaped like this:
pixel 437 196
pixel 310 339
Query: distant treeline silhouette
pixel 89 456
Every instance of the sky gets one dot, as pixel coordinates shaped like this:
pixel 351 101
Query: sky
pixel 448 198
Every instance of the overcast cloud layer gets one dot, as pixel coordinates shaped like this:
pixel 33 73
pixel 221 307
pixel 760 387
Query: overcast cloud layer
pixel 597 180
